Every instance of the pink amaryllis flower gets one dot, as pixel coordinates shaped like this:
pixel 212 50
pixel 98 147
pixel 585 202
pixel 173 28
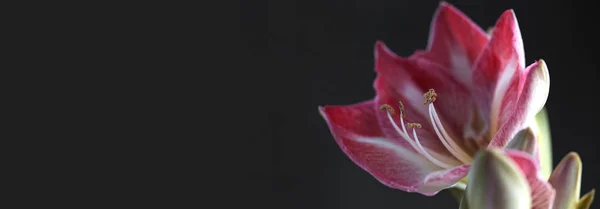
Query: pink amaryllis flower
pixel 435 109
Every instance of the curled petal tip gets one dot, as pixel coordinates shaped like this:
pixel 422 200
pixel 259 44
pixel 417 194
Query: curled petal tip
pixel 510 13
pixel 385 59
pixel 541 79
pixel 443 5
pixel 322 111
pixel 380 46
pixel 573 156
pixel 543 68
pixel 572 160
pixel 508 18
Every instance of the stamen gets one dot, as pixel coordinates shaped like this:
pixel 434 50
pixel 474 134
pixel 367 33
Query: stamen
pixel 416 146
pixel 402 116
pixel 390 111
pixel 401 106
pixel 388 108
pixel 413 125
pixel 430 97
pixel 461 153
pixel 437 131
pixel 422 150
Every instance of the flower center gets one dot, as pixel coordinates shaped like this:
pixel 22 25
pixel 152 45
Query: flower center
pixel 448 142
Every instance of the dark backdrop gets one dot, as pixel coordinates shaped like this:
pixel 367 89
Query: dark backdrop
pixel 308 53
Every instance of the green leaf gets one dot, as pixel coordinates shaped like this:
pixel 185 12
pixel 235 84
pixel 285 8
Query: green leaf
pixel 586 201
pixel 463 203
pixel 541 128
pixel 457 193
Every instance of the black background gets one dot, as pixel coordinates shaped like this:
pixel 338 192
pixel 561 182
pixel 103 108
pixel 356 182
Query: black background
pixel 302 54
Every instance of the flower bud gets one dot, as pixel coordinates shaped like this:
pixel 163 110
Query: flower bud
pixel 495 181
pixel 566 179
pixel 524 141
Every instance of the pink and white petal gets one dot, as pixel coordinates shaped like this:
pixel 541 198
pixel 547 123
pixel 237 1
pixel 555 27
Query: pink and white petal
pixel 497 69
pixel 402 79
pixel 453 103
pixel 532 99
pixel 542 193
pixel 394 84
pixel 440 180
pixel 535 91
pixel 394 78
pixel 455 41
pixel 356 131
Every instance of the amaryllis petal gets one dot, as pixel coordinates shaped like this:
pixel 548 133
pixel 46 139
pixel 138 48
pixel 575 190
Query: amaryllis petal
pixel 436 181
pixel 355 129
pixel 405 80
pixel 394 80
pixel 566 178
pixel 455 41
pixel 535 90
pixel 531 100
pixel 454 99
pixel 497 71
pixel 542 193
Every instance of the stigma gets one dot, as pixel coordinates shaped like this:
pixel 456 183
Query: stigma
pixel 448 142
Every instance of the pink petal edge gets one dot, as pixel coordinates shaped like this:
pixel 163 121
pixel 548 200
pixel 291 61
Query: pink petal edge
pixel 498 72
pixel 531 100
pixel 542 193
pixel 455 41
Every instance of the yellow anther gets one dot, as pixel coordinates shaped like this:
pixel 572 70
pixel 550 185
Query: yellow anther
pixel 430 97
pixel 413 125
pixel 388 108
pixel 401 106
